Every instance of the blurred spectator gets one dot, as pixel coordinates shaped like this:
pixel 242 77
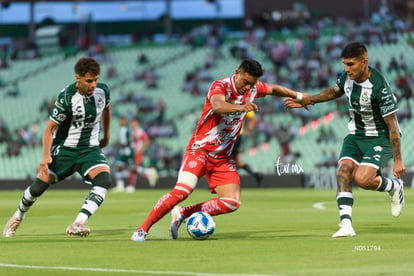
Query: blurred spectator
pixel 151 77
pixel 326 135
pixel 14 145
pixel 403 84
pixel 4 64
pixel 327 160
pixel 405 113
pixel 161 108
pixel 279 54
pixel 4 131
pixel 111 73
pixel 14 91
pixel 393 64
pixel 142 59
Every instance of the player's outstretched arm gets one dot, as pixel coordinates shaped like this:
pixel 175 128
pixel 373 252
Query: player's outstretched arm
pixel 324 96
pixel 282 91
pixel 297 98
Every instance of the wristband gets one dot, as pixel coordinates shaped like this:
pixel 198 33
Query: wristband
pixel 299 96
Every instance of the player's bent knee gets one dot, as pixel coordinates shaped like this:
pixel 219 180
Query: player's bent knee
pixel 38 187
pixel 187 178
pixel 103 179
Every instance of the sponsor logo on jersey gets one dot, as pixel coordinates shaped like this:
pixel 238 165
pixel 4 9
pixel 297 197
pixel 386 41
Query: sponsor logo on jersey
pixel 202 160
pixel 378 148
pixel 232 166
pixel 387 108
pixel 61 117
pixel 58 116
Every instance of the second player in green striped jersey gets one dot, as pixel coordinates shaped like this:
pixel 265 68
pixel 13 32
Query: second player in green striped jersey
pixel 374 134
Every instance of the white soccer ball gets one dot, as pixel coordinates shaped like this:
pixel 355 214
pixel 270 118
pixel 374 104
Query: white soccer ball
pixel 201 225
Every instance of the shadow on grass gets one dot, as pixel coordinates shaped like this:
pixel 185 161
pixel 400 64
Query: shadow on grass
pixel 95 236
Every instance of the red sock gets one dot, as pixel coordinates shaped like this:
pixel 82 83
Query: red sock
pixel 214 206
pixel 132 180
pixel 165 204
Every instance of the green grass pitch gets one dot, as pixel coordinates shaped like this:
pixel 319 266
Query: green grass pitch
pixel 275 232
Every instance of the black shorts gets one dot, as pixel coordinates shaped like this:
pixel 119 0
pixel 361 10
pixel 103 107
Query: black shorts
pixel 237 145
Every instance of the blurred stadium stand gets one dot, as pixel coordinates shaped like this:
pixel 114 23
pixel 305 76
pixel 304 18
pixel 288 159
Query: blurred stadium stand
pixel 39 80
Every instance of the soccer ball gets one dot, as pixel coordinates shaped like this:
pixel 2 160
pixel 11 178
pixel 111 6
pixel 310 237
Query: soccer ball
pixel 201 225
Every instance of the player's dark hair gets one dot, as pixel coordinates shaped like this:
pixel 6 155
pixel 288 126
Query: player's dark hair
pixel 251 67
pixel 353 50
pixel 87 65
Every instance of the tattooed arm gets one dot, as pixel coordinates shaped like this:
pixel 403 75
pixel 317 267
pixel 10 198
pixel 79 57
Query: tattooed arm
pixel 392 123
pixel 324 96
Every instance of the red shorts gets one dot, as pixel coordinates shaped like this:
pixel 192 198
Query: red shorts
pixel 217 171
pixel 138 158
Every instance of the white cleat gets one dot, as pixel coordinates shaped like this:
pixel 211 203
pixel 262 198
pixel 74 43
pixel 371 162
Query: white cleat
pixel 130 189
pixel 176 220
pixel 152 176
pixel 345 230
pixel 78 229
pixel 397 198
pixel 139 236
pixel 11 227
pixel 118 189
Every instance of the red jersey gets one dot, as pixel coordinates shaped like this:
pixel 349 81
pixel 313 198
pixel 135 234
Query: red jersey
pixel 215 133
pixel 139 136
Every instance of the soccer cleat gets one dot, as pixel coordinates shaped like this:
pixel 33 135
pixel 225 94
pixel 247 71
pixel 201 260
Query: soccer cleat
pixel 130 189
pixel 152 176
pixel 139 235
pixel 11 227
pixel 118 189
pixel 397 198
pixel 78 229
pixel 345 230
pixel 176 220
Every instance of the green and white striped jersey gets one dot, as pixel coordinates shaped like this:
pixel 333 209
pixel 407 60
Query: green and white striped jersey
pixel 79 116
pixel 369 102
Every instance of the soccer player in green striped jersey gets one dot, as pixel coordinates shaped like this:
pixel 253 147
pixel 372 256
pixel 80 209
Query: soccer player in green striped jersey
pixel 374 134
pixel 71 144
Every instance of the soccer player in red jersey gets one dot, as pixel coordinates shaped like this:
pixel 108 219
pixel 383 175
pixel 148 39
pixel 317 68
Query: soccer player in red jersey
pixel 209 151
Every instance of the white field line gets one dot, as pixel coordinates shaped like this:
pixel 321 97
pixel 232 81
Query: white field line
pixel 131 271
pixel 319 205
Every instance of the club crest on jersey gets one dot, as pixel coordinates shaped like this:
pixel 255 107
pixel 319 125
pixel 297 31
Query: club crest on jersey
pixel 364 97
pixel 100 103
pixel 192 164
